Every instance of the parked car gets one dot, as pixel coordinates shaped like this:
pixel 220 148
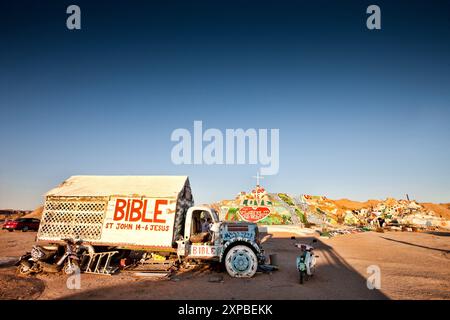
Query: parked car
pixel 23 224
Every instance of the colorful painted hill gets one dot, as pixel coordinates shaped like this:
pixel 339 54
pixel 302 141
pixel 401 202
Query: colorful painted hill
pixel 280 209
pixel 258 206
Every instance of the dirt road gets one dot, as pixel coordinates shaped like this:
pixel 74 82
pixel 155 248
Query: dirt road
pixel 412 266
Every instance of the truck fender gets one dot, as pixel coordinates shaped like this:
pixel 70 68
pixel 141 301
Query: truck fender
pixel 236 241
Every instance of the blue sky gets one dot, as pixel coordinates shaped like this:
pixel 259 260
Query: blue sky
pixel 362 114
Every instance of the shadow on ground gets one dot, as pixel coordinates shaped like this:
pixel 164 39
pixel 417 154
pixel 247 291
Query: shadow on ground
pixel 416 245
pixel 14 287
pixel 439 233
pixel 334 279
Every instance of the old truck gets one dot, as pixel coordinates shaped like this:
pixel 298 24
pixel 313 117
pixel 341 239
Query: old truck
pixel 151 214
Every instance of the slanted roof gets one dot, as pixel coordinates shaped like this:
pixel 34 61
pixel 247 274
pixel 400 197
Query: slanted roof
pixel 105 186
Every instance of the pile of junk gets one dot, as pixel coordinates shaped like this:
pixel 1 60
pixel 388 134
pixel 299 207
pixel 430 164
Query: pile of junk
pixel 75 257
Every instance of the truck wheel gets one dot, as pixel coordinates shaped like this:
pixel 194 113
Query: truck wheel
pixel 241 262
pixel 25 229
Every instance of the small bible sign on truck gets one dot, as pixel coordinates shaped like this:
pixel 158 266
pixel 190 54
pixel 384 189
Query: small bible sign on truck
pixel 154 214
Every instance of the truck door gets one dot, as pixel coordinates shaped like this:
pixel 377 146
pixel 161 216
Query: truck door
pixel 199 236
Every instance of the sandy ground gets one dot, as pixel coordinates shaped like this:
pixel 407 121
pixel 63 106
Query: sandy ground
pixel 412 265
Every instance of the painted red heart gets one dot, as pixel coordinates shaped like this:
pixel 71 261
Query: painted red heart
pixel 253 214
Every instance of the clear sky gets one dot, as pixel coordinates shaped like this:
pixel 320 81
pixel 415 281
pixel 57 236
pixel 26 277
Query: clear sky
pixel 362 114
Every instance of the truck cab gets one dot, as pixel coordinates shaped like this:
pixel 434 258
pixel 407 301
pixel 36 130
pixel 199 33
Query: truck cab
pixel 235 244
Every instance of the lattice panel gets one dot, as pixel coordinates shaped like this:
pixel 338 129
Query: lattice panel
pixel 76 219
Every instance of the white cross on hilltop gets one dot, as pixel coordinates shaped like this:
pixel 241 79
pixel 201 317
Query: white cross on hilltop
pixel 257 178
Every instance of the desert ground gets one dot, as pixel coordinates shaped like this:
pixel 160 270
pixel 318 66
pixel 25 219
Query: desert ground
pixel 413 265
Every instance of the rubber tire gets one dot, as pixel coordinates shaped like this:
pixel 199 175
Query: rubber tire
pixel 24 265
pixel 24 229
pixel 10 230
pixel 301 276
pixel 248 254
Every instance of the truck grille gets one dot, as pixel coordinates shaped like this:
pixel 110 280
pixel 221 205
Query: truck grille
pixel 238 228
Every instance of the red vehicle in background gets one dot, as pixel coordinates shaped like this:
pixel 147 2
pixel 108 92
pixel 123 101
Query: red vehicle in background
pixel 23 224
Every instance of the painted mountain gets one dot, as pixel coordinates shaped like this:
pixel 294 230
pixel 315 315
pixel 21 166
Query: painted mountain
pixel 265 208
pixel 261 207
